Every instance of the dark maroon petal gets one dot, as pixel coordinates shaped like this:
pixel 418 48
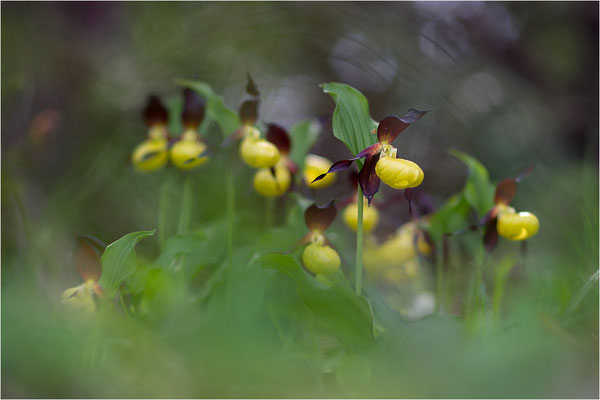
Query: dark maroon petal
pixel 345 164
pixel 523 173
pixel 279 137
pixel 490 237
pixel 408 195
pixel 249 112
pixel 320 217
pixel 368 179
pixel 390 127
pixel 337 166
pixel 251 88
pixel 87 257
pixel 193 109
pixel 155 113
pixel 505 191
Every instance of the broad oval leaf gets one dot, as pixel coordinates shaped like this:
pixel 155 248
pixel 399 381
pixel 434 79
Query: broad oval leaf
pixel 352 123
pixel 118 260
pixel 347 315
pixel 478 191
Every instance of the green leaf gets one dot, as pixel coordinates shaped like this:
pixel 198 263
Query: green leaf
pixel 304 135
pixel 347 315
pixel 352 123
pixel 216 110
pixel 478 190
pixel 118 260
pixel 450 217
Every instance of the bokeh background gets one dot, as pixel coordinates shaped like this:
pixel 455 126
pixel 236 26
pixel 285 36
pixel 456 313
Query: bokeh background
pixel 509 83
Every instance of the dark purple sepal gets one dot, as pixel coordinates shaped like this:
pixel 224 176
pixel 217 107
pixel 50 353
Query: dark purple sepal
pixel 505 191
pixel 390 127
pixel 368 179
pixel 279 137
pixel 193 109
pixel 155 113
pixel 249 112
pixel 319 218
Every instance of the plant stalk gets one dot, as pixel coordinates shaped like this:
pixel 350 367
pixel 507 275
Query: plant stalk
pixel 185 212
pixel 359 242
pixel 230 227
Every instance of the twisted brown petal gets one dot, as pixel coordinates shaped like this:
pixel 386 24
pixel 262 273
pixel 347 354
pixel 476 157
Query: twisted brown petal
pixel 345 164
pixel 320 217
pixel 390 127
pixel 522 174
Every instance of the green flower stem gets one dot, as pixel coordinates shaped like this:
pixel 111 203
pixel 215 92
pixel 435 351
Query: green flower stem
pixel 230 227
pixel 359 243
pixel 185 212
pixel 439 276
pixel 500 278
pixel 163 206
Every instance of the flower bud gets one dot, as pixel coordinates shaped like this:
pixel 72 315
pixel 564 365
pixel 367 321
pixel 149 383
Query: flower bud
pixel 81 298
pixel 258 153
pixel 516 226
pixel 314 166
pixel 370 216
pixel 150 155
pixel 398 172
pixel 320 259
pixel 184 154
pixel 272 186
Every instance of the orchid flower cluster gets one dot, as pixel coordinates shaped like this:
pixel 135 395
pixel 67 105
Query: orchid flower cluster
pixel 394 259
pixel 186 152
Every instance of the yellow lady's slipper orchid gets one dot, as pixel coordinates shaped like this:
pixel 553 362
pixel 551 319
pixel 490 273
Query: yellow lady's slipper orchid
pixel 397 172
pixel 318 257
pixel 273 186
pixel 188 152
pixel 321 259
pixel 370 216
pixel 313 167
pixel 257 152
pixel 381 163
pixel 150 155
pixel 516 226
pixel 80 298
